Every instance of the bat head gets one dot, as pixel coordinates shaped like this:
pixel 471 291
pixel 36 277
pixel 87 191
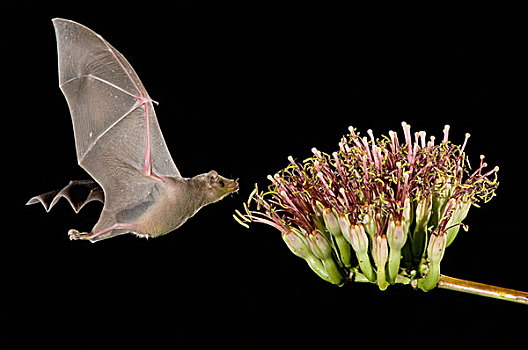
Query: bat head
pixel 218 186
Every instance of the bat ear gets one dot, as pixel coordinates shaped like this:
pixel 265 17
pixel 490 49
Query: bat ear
pixel 212 175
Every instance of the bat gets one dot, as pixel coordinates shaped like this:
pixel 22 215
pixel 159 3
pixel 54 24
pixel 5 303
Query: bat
pixel 120 145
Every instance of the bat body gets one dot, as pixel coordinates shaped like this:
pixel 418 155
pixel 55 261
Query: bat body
pixel 120 144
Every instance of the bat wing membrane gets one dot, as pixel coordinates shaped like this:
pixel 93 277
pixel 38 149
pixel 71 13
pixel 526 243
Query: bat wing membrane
pixel 102 89
pixel 110 109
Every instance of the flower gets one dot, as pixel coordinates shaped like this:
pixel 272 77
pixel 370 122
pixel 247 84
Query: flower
pixel 396 206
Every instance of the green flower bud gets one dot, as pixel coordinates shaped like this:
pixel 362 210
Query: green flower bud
pixel 396 234
pixel 462 209
pixel 423 211
pixel 322 249
pixel 319 245
pixel 318 220
pixel 440 198
pixel 300 246
pixel 359 241
pixel 408 214
pixel 369 221
pixel 297 243
pixel 436 247
pixel 344 226
pixel 317 266
pixel 396 237
pixel 333 271
pixel 380 253
pixel 459 213
pixel 331 222
pixel 435 253
pixel 327 270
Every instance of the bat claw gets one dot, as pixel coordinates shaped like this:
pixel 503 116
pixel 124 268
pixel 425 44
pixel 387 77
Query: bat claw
pixel 74 235
pixel 108 232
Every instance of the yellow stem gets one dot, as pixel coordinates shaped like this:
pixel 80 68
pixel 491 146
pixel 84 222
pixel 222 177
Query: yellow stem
pixel 482 289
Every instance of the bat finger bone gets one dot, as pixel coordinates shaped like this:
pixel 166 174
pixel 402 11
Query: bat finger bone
pixel 142 100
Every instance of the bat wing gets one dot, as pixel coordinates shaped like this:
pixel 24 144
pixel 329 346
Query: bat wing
pixel 78 193
pixel 117 135
pixel 103 90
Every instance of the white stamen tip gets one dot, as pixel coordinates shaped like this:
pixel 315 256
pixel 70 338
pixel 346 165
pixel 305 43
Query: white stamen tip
pixel 422 138
pixel 446 132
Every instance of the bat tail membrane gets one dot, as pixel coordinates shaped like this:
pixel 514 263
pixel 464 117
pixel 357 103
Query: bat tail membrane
pixel 77 192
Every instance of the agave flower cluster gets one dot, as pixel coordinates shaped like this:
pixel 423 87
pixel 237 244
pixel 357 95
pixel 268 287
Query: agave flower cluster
pixel 376 210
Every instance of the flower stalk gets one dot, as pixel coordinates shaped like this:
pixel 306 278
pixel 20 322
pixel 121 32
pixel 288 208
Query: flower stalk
pixel 377 210
pixel 482 289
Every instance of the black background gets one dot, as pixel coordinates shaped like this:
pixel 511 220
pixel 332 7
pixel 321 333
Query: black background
pixel 241 86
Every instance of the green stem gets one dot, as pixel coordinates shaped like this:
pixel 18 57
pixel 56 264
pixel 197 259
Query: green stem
pixel 431 280
pixel 344 251
pixel 419 244
pixel 394 264
pixel 382 279
pixel 366 267
pixel 482 289
pixel 333 271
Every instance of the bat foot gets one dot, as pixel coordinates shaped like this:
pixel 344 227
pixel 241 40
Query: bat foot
pixel 74 235
pixel 114 230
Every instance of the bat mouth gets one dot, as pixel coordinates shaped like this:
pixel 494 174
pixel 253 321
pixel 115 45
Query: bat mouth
pixel 232 186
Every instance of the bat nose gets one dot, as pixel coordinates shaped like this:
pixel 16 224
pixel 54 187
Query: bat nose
pixel 233 185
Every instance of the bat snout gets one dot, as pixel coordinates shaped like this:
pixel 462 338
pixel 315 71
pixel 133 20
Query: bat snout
pixel 232 186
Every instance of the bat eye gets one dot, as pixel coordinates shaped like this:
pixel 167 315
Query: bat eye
pixel 222 184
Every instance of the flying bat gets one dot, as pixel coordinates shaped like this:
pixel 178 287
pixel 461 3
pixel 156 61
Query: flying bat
pixel 119 143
